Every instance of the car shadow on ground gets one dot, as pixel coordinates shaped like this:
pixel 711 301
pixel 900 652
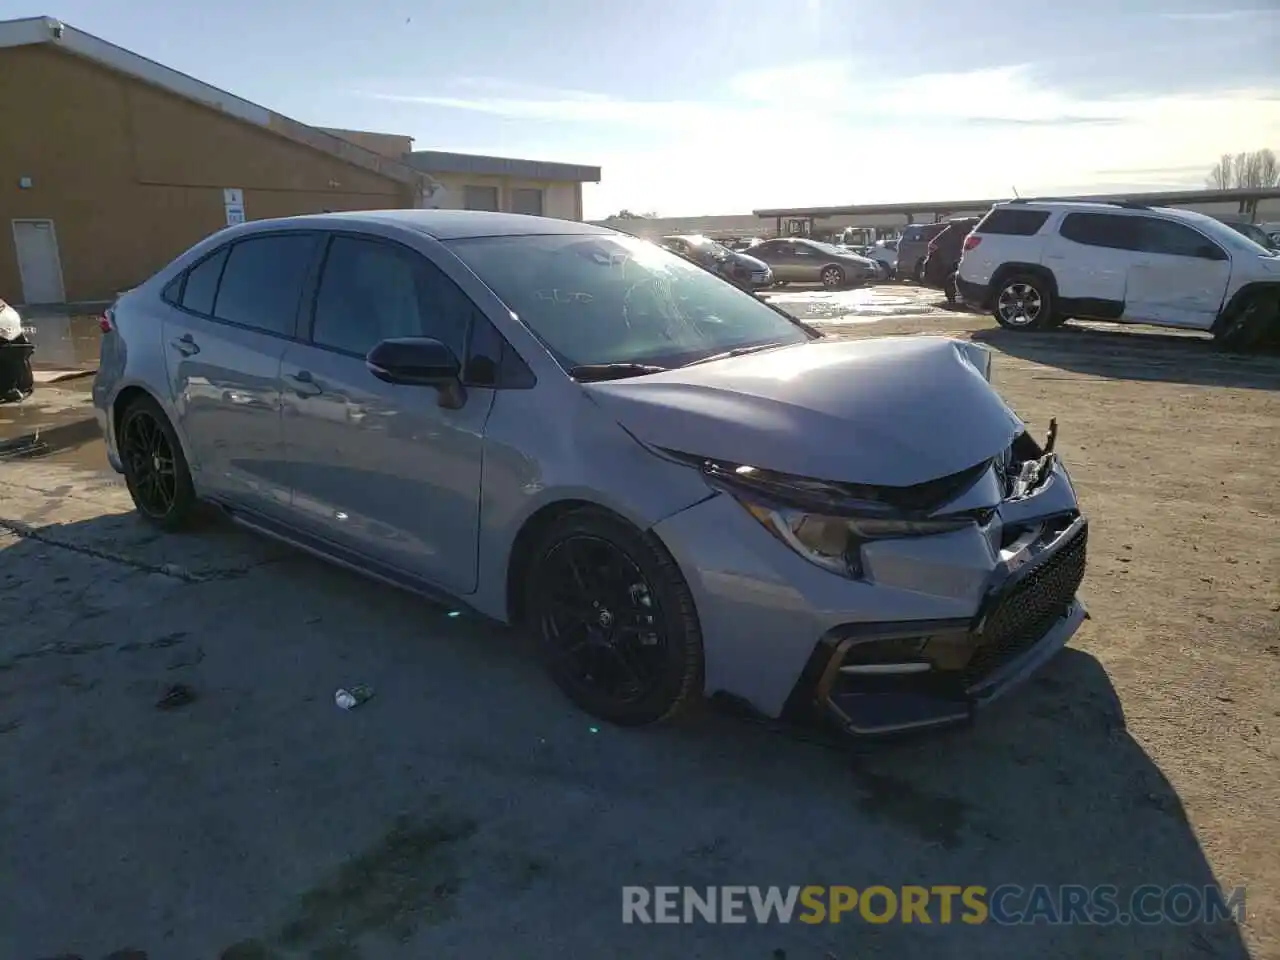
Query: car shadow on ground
pixel 468 802
pixel 1137 355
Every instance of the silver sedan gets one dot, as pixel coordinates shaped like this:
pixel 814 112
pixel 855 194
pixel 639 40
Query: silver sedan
pixel 675 488
pixel 808 261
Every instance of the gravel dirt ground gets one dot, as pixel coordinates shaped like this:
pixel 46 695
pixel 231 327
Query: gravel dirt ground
pixel 467 811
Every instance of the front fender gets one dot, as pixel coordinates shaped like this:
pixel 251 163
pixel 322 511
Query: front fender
pixel 586 458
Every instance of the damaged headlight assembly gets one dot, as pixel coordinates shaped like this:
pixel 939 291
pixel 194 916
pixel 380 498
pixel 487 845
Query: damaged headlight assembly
pixel 835 543
pixel 827 524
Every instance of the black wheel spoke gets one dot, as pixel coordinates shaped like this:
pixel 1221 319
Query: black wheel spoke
pixel 599 619
pixel 150 464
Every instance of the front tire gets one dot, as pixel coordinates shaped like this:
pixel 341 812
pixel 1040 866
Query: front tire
pixel 1023 302
pixel 832 277
pixel 614 619
pixel 155 469
pixel 1246 329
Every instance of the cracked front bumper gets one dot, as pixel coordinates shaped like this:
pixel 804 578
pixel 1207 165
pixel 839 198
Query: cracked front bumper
pixel 981 610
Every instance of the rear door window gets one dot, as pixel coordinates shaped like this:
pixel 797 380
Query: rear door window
pixel 202 283
pixel 1101 230
pixel 263 280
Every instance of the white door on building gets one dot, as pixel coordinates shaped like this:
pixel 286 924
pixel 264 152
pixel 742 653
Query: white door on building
pixel 38 262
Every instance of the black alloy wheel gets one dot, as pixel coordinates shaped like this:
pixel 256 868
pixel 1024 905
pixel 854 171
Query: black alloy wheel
pixel 155 469
pixel 614 619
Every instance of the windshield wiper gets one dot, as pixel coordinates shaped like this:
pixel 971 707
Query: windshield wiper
pixel 588 372
pixel 736 352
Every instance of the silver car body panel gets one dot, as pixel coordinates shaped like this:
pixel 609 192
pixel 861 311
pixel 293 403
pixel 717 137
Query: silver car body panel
pixel 386 481
pixel 893 411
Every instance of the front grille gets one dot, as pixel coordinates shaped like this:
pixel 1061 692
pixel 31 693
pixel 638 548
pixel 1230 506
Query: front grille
pixel 1026 611
pixel 760 276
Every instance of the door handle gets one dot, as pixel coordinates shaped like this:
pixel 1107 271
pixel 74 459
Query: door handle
pixel 304 385
pixel 185 345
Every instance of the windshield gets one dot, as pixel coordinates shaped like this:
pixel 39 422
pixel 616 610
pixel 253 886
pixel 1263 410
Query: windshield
pixel 1254 233
pixel 1225 234
pixel 598 299
pixel 717 250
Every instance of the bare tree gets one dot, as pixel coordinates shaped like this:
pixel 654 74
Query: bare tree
pixel 1255 169
pixel 1220 177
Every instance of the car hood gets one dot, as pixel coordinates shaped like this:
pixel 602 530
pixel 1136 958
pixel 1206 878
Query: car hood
pixel 892 411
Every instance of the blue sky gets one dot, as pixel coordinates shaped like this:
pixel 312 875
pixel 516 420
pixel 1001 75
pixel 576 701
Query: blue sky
pixel 720 106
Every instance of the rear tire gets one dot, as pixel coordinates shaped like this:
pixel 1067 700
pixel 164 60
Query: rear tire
pixel 1023 301
pixel 605 602
pixel 155 468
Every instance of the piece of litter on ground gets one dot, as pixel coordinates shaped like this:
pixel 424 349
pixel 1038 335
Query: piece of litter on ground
pixel 178 695
pixel 455 613
pixel 350 699
pixel 594 729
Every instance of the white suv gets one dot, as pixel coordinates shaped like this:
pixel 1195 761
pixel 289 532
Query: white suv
pixel 1035 264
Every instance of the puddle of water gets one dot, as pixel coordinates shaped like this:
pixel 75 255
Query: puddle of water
pixel 847 306
pixel 66 341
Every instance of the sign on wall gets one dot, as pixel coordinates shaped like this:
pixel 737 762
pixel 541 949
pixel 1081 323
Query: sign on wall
pixel 233 203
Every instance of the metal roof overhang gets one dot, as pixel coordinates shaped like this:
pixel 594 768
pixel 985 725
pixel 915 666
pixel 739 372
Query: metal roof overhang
pixel 1165 198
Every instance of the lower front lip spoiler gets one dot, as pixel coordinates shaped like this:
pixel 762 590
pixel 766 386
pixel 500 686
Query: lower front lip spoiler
pixel 863 713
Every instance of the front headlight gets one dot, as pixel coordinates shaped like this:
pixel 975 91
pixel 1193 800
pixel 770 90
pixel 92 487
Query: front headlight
pixel 835 543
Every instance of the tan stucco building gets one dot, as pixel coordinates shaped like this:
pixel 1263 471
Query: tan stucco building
pixel 112 164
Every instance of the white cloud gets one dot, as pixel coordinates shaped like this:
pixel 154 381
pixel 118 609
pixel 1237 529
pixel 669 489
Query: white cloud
pixel 1218 16
pixel 817 133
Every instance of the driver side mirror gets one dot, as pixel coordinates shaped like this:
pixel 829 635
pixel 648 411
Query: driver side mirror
pixel 419 362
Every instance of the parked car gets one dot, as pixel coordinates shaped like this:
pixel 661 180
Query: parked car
pixel 943 258
pixel 674 487
pixel 739 268
pixel 808 261
pixel 17 380
pixel 913 247
pixel 1035 264
pixel 885 252
pixel 1254 233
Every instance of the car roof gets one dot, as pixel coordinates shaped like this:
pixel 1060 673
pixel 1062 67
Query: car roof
pixel 440 224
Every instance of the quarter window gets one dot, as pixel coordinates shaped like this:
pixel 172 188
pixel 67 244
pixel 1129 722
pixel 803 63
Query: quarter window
pixel 1012 222
pixel 263 281
pixel 202 283
pixel 372 291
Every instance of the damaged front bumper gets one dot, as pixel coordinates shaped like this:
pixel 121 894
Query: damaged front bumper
pixel 924 632
pixel 889 678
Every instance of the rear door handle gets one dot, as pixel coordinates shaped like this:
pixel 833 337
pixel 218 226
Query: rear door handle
pixel 185 345
pixel 304 385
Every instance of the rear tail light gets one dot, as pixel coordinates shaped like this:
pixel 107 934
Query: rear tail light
pixel 106 322
pixel 971 241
